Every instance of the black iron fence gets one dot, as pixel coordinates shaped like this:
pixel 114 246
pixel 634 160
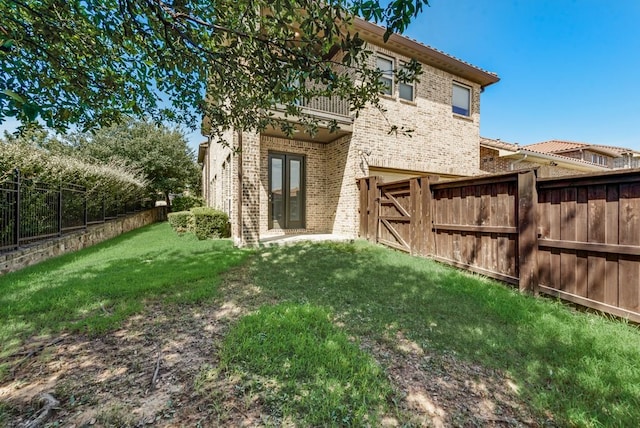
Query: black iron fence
pixel 31 211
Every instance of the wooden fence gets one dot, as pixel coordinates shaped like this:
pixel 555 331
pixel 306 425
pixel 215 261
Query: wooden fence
pixel 575 238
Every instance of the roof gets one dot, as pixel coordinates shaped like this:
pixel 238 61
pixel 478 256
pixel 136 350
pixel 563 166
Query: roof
pixel 498 144
pixel 202 149
pixel 555 146
pixel 426 54
pixel 559 146
pixel 514 151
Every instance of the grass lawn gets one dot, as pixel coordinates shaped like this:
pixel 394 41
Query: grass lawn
pixel 298 350
pixel 581 368
pixel 94 290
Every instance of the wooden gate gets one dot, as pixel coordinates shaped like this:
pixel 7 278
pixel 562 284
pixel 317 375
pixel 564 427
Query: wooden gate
pixel 395 215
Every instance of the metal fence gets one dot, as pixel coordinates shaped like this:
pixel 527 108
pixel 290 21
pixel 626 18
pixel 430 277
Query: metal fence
pixel 32 211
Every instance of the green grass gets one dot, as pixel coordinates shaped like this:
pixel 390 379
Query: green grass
pixel 95 289
pixel 313 373
pixel 582 368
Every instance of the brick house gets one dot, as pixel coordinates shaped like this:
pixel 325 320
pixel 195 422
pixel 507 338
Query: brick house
pixel 499 156
pixel 611 157
pixel 308 184
pixel 554 158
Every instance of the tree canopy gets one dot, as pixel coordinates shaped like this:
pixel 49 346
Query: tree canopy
pixel 162 155
pixel 86 63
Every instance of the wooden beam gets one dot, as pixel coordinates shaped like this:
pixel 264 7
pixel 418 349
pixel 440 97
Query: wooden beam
pixel 630 250
pixel 495 275
pixel 614 310
pixel 475 229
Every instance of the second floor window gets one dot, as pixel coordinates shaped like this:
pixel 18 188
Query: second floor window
pixel 461 102
pixel 406 90
pixel 385 65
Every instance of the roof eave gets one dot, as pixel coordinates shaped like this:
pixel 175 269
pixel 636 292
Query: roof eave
pixel 425 54
pixel 559 160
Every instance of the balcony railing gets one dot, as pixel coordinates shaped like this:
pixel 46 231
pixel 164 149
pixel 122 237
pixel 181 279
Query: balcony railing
pixel 332 105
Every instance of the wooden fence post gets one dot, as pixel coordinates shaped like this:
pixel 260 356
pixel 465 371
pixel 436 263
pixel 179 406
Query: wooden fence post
pixel 416 241
pixel 429 246
pixel 374 208
pixel 363 184
pixel 527 232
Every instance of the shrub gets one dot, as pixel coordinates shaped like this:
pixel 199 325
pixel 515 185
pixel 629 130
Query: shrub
pixel 180 221
pixel 209 223
pixel 186 202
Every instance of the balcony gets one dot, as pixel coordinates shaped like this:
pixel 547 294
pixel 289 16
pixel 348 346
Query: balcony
pixel 325 110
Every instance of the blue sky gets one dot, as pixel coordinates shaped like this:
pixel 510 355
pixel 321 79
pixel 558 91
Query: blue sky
pixel 569 69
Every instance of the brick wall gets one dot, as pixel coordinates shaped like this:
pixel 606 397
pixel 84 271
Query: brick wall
pixel 491 162
pixel 441 143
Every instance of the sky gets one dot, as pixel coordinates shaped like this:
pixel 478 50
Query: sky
pixel 569 69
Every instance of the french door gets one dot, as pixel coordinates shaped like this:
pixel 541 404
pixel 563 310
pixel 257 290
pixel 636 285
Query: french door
pixel 286 191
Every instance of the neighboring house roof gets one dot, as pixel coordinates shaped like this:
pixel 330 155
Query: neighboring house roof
pixel 559 146
pixel 498 144
pixel 425 53
pixel 516 152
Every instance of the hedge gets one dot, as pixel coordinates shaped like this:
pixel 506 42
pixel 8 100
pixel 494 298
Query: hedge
pixel 179 221
pixel 209 223
pixel 203 222
pixel 186 202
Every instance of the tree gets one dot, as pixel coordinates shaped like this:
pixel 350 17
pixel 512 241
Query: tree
pixel 161 154
pixel 87 62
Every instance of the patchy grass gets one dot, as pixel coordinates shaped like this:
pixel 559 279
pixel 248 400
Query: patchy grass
pixel 94 290
pixel 308 369
pixel 575 368
pixel 297 355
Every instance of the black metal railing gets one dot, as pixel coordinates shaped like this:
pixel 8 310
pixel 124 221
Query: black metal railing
pixel 31 211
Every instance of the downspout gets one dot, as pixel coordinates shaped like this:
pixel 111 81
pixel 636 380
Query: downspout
pixel 240 192
pixel 518 161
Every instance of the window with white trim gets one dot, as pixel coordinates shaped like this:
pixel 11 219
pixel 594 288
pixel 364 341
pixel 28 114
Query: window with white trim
pixel 406 90
pixel 461 99
pixel 598 159
pixel 385 65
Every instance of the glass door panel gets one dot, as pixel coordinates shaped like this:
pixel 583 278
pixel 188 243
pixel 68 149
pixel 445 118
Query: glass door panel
pixel 286 191
pixel 276 193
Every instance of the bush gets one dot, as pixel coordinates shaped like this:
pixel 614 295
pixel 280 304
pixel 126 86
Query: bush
pixel 209 223
pixel 180 221
pixel 186 202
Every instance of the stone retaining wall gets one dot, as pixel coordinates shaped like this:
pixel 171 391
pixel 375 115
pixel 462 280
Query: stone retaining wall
pixel 41 251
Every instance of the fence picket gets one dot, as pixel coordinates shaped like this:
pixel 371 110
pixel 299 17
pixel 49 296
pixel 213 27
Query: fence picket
pixel 575 238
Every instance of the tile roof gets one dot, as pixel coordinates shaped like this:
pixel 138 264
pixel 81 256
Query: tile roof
pixel 555 146
pixel 438 55
pixel 559 146
pixel 533 151
pixel 498 144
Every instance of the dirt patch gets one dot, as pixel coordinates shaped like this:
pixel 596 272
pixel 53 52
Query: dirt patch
pixel 108 380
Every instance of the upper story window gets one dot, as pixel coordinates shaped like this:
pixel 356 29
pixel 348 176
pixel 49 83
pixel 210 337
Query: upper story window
pixel 461 101
pixel 406 90
pixel 386 66
pixel 599 159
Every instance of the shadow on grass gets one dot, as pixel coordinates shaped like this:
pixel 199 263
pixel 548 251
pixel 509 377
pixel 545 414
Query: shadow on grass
pixel 93 290
pixel 579 367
